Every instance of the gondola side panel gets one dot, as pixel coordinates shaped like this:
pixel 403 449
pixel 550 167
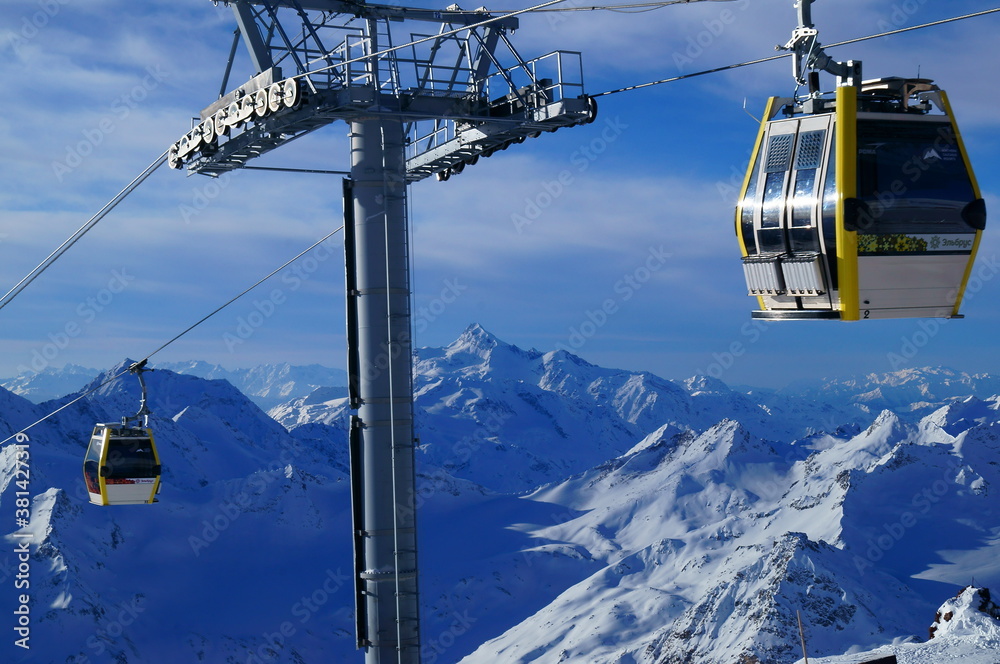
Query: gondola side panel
pixel 156 458
pixel 847 178
pixel 745 196
pixel 105 445
pixel 976 191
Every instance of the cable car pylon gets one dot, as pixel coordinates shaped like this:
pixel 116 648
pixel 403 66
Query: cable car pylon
pixel 432 108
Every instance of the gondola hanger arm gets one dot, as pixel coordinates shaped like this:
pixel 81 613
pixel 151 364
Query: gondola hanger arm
pixel 142 416
pixel 808 53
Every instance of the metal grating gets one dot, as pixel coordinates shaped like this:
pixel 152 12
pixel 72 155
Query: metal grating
pixel 810 150
pixel 763 275
pixel 779 153
pixel 803 274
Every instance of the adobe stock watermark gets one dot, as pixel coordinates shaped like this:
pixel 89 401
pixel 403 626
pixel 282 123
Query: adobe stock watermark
pixel 427 314
pixel 557 18
pixel 119 110
pixel 900 15
pixel 113 626
pixel 296 275
pixel 461 452
pixel 700 42
pixel 232 507
pixel 528 554
pixel 432 648
pixel 203 196
pixel 466 447
pixel 911 344
pixel 729 190
pixel 624 290
pixel 32 25
pixel 303 610
pixel 921 503
pixel 580 160
pixel 86 313
pixel 750 333
pixel 23 538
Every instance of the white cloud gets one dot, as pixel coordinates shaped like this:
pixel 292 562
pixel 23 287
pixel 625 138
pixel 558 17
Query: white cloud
pixel 193 242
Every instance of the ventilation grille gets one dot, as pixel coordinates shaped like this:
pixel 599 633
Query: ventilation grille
pixel 779 153
pixel 810 149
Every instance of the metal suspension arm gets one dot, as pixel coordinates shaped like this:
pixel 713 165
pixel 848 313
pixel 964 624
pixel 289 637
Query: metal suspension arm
pixel 808 53
pixel 143 414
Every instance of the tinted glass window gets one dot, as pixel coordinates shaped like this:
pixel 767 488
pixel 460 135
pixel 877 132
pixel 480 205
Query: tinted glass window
pixel 130 457
pixel 94 449
pixel 911 160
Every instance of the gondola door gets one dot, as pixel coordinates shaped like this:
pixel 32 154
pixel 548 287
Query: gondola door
pixel 92 466
pixel 781 218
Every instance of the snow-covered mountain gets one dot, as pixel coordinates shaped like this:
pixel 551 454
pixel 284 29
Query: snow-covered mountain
pixel 484 404
pixel 907 391
pixel 568 513
pixel 247 515
pixel 707 545
pixel 268 385
pixel 965 629
pixel 49 383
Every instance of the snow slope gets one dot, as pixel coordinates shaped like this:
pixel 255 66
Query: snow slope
pixel 965 629
pixel 567 513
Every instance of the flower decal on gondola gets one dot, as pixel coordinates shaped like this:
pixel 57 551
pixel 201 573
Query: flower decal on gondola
pixel 892 243
pixel 866 244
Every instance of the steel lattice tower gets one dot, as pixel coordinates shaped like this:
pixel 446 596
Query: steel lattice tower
pixel 431 108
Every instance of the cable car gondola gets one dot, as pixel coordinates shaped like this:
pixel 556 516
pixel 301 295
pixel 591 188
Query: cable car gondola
pixel 122 466
pixel 859 206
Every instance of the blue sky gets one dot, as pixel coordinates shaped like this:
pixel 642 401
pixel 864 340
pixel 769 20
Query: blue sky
pixel 630 257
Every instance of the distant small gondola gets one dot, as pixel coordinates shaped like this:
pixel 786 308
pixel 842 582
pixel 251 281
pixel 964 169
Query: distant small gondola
pixel 861 204
pixel 122 466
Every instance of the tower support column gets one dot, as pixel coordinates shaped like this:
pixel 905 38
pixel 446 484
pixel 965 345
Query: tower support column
pixel 381 385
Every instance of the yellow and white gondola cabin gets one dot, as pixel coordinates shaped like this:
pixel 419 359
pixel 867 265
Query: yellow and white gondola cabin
pixel 859 207
pixel 122 466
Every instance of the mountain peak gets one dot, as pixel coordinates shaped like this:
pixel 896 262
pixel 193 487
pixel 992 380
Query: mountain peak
pixel 701 383
pixel 476 338
pixel 479 342
pixel 970 613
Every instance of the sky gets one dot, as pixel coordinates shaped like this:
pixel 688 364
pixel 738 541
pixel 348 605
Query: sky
pixel 629 258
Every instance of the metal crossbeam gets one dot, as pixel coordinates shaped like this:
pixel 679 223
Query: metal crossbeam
pixel 392 12
pixel 469 90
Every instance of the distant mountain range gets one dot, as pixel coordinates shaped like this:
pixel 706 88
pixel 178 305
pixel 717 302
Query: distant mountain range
pixel 568 513
pixel 267 384
pixel 50 383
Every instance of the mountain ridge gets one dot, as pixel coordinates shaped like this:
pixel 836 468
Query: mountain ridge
pixel 568 513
